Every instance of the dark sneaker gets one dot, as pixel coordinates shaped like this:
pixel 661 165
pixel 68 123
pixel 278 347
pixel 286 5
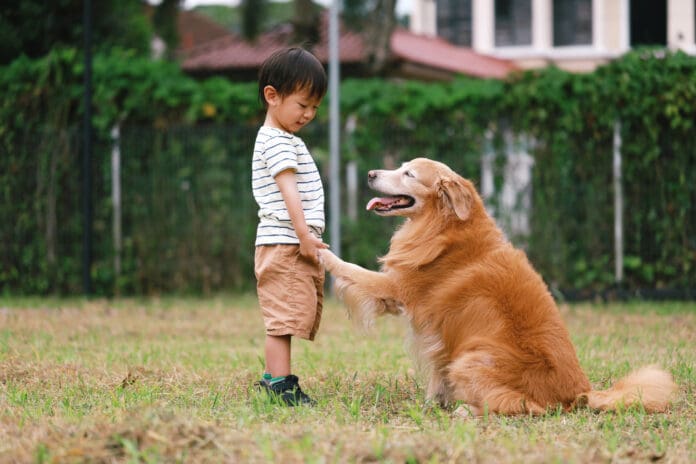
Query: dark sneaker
pixel 287 391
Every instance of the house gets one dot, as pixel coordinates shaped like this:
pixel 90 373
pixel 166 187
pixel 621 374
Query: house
pixel 195 29
pixel 576 35
pixel 412 55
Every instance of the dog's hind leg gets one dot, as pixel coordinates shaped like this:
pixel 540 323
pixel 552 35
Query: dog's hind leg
pixel 501 400
pixel 474 382
pixel 509 402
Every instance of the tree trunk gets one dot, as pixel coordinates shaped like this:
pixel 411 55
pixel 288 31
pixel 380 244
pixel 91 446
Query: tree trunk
pixel 165 24
pixel 379 28
pixel 253 13
pixel 306 22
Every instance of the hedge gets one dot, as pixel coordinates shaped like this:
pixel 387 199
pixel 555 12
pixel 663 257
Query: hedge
pixel 189 217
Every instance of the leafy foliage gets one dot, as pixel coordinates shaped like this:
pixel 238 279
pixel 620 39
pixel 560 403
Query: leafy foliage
pixel 34 27
pixel 252 17
pixel 189 217
pixel 164 22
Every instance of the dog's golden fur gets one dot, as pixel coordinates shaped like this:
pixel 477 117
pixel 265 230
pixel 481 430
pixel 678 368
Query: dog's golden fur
pixel 482 318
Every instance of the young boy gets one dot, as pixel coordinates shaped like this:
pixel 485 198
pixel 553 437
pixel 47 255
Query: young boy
pixel 289 192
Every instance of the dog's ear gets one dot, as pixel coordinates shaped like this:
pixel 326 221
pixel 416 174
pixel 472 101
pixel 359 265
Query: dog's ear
pixel 455 195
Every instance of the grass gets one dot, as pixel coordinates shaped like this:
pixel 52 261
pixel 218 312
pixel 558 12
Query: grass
pixel 169 380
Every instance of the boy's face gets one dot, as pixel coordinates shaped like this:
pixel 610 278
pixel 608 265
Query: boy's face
pixel 291 112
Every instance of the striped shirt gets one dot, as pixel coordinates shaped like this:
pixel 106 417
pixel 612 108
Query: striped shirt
pixel 275 151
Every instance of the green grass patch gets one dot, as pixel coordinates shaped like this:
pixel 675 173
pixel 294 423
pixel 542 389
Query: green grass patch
pixel 170 379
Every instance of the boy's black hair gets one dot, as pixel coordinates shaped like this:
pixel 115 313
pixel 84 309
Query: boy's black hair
pixel 292 69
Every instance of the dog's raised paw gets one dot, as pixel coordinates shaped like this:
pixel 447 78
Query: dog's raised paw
pixel 328 260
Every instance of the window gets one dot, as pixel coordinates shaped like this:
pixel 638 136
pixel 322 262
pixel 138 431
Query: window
pixel 454 21
pixel 648 22
pixel 572 22
pixel 513 22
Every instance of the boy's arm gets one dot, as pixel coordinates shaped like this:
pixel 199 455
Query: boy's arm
pixel 309 243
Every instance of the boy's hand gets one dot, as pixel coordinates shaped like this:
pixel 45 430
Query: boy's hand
pixel 310 246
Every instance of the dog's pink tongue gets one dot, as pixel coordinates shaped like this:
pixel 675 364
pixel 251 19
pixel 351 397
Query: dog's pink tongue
pixel 376 202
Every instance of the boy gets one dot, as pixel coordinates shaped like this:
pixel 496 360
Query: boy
pixel 290 196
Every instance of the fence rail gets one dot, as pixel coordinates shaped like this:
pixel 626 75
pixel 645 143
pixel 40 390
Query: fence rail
pixel 185 219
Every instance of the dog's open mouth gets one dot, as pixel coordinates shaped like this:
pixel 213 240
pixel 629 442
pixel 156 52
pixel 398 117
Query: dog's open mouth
pixel 385 204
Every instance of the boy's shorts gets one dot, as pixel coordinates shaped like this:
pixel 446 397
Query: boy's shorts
pixel 290 289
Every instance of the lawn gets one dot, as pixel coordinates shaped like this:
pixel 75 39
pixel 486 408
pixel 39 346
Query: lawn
pixel 169 379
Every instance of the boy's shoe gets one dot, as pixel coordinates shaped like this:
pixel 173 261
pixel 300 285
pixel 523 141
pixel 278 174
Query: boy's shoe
pixel 286 391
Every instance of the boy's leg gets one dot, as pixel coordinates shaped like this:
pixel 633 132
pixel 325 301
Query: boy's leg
pixel 278 380
pixel 283 297
pixel 277 352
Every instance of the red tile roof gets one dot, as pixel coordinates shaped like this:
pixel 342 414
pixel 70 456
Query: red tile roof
pixel 233 52
pixel 436 53
pixel 195 29
pixel 417 55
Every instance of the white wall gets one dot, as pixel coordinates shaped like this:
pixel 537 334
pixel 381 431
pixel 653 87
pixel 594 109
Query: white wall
pixel 610 32
pixel 680 25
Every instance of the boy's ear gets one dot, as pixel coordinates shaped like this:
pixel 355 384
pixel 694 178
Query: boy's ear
pixel 271 95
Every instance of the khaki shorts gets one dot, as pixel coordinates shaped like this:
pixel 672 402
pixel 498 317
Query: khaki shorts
pixel 290 289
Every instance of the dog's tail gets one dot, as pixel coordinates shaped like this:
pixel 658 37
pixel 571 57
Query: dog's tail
pixel 648 386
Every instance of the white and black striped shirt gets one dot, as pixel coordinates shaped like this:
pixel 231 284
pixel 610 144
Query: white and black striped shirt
pixel 275 151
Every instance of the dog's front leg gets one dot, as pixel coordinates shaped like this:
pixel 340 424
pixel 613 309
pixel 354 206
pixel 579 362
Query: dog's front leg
pixel 367 294
pixel 438 390
pixel 377 284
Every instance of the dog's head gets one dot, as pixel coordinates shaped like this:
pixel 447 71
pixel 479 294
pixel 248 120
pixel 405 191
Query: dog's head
pixel 419 185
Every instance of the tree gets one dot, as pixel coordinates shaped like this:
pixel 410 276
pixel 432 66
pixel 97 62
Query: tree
pixel 377 19
pixel 306 22
pixel 164 21
pixel 253 15
pixel 374 19
pixel 34 27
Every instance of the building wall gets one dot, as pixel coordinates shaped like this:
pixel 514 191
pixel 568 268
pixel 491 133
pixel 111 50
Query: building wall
pixel 610 35
pixel 423 20
pixel 680 25
pixel 613 24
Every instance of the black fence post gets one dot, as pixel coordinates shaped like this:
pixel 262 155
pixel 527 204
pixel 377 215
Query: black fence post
pixel 87 154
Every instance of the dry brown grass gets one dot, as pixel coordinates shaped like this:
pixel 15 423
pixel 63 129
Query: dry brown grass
pixel 169 381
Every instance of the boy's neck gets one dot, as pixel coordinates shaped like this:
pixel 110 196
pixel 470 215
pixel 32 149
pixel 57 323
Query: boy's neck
pixel 270 122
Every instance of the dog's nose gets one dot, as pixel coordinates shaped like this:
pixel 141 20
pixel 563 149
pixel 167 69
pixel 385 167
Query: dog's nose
pixel 371 174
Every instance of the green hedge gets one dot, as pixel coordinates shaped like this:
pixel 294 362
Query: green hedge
pixel 189 217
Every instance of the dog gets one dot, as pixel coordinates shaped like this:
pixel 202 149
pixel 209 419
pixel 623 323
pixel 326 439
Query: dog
pixel 482 319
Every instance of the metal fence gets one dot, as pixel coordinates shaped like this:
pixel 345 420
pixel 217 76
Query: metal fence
pixel 185 219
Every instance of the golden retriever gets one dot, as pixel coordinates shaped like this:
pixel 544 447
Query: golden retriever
pixel 482 318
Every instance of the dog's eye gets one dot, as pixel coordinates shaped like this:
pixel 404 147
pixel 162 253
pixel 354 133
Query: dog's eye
pixel 409 174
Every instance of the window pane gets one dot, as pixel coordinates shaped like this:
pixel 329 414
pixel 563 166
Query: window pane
pixel 454 21
pixel 572 22
pixel 648 22
pixel 513 22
